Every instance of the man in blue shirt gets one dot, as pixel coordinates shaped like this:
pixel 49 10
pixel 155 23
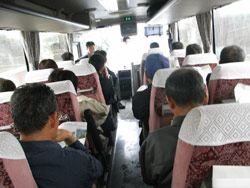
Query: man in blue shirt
pixel 34 111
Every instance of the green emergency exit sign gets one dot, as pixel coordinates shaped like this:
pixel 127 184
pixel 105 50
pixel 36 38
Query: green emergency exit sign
pixel 127 19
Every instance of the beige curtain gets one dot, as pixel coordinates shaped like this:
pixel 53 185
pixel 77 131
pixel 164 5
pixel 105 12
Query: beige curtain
pixel 69 39
pixel 31 43
pixel 204 22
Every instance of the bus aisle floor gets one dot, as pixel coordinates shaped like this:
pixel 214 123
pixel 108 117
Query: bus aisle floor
pixel 125 169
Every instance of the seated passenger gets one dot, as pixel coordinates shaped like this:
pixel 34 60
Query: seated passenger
pixel 6 85
pixel 34 111
pixel 91 50
pixel 185 90
pixel 98 62
pixel 174 62
pixel 67 56
pixel 177 46
pixel 193 49
pixel 141 99
pixel 47 64
pixel 230 54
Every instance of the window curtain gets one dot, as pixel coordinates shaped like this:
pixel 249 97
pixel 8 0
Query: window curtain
pixel 69 39
pixel 174 31
pixel 204 22
pixel 31 43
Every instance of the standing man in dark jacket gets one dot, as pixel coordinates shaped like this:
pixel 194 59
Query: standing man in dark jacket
pixel 185 90
pixel 91 50
pixel 141 99
pixel 34 111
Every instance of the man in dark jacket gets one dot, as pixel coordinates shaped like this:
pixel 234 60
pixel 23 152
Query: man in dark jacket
pixel 34 111
pixel 185 89
pixel 91 50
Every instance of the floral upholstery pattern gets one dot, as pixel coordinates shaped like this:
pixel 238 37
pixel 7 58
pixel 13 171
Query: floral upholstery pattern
pixel 159 100
pixel 204 157
pixel 65 105
pixel 86 82
pixel 5 117
pixel 225 89
pixel 181 60
pixel 5 181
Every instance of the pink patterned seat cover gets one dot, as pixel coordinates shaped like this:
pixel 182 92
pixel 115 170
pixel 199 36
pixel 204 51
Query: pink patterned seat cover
pixel 224 78
pixel 88 81
pixel 66 99
pixel 211 135
pixel 199 60
pixel 14 168
pixel 157 99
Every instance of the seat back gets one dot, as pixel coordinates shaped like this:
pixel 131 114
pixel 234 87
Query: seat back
pixel 14 168
pixel 66 99
pixel 199 60
pixel 242 93
pixel 38 76
pixel 84 61
pixel 211 135
pixel 179 56
pixel 5 114
pixel 64 64
pixel 88 81
pixel 224 78
pixel 158 99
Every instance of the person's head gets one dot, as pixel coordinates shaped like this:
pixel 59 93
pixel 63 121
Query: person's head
pixel 34 107
pixel 185 89
pixel 61 75
pixel 153 63
pixel 47 64
pixel 98 62
pixel 193 49
pixel 177 46
pixel 154 45
pixel 67 56
pixel 232 54
pixel 103 53
pixel 125 39
pixel 90 47
pixel 6 85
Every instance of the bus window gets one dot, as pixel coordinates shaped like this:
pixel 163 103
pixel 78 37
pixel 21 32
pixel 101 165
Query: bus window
pixel 11 54
pixel 52 45
pixel 189 32
pixel 232 26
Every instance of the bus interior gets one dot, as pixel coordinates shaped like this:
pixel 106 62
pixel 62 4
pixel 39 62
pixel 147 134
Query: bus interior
pixel 33 30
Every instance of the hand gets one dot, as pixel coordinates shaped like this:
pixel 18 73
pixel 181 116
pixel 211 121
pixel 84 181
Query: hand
pixel 66 136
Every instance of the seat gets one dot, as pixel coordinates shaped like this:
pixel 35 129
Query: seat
pixel 177 57
pixel 14 168
pixel 66 99
pixel 5 114
pixel 88 81
pixel 199 60
pixel 38 76
pixel 224 78
pixel 64 64
pixel 242 93
pixel 211 135
pixel 158 99
pixel 83 61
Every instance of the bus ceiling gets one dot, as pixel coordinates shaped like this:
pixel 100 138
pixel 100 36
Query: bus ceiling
pixel 78 15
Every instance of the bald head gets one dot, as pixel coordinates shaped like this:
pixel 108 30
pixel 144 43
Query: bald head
pixel 232 54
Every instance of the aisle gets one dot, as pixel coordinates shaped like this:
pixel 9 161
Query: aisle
pixel 126 172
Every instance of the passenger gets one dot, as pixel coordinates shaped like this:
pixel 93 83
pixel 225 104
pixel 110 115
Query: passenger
pixel 47 64
pixel 193 49
pixel 114 79
pixel 6 85
pixel 232 53
pixel 34 111
pixel 154 45
pixel 185 90
pixel 141 99
pixel 98 62
pixel 177 46
pixel 67 56
pixel 91 50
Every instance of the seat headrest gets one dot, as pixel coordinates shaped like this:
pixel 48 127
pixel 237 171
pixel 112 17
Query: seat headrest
pixel 178 53
pixel 242 93
pixel 229 71
pixel 5 96
pixel 215 125
pixel 38 75
pixel 62 87
pixel 10 148
pixel 161 76
pixel 199 59
pixel 62 64
pixel 82 69
pixel 83 61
